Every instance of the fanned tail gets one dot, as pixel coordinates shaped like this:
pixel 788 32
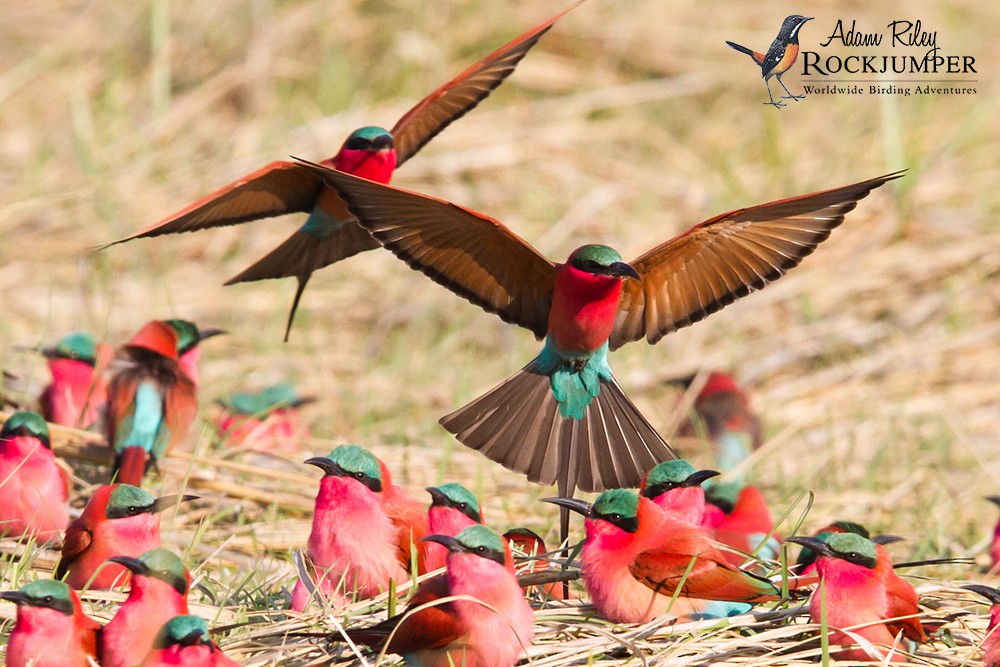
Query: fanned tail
pixel 304 252
pixel 518 425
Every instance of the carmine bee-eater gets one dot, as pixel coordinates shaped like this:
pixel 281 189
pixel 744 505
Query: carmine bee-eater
pixel 189 338
pixel 78 388
pixel 675 487
pixel 330 234
pixel 737 515
pixel 635 557
pixel 563 418
pixel 184 641
pixel 151 402
pixel 157 592
pixel 51 629
pixel 119 520
pixel 806 562
pixel 462 632
pixel 528 544
pixel 34 490
pixel 453 509
pixel 991 642
pixel 361 538
pixel 268 419
pixel 722 413
pixel 995 544
pixel 860 588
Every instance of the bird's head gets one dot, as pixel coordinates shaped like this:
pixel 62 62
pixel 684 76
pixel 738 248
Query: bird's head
pixel 370 139
pixel 26 423
pixel 848 547
pixel 183 631
pixel 354 462
pixel 45 594
pixel 127 501
pixel 78 346
pixel 189 335
pixel 159 564
pixel 477 540
pixel 600 260
pixel 673 474
pixel 457 497
pixel 791 25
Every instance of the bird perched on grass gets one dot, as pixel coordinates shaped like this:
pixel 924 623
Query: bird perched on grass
pixel 780 56
pixel 119 520
pixel 563 418
pixel 991 640
pixel 330 234
pixel 152 401
pixel 675 487
pixel 158 591
pixel 492 630
pixel 453 509
pixel 529 546
pixel 268 419
pixel 34 489
pixel 635 558
pixel 51 629
pixel 78 388
pixel 860 588
pixel 184 641
pixel 362 530
pixel 738 516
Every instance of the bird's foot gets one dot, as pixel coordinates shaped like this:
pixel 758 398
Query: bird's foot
pixel 775 104
pixel 793 97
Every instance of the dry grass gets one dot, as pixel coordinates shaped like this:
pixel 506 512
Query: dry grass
pixel 874 364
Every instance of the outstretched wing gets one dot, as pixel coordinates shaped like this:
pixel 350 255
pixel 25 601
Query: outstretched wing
pixel 278 188
pixel 473 255
pixel 460 95
pixel 720 260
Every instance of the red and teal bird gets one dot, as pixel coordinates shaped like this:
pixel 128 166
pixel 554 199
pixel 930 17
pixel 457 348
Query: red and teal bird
pixel 51 629
pixel 860 588
pixel 34 489
pixel 152 401
pixel 529 547
pixel 563 418
pixel 119 520
pixel 991 641
pixel 78 389
pixel 158 591
pixel 363 530
pixel 675 487
pixel 737 515
pixel 491 630
pixel 635 557
pixel 189 338
pixel 267 419
pixel 330 234
pixel 453 509
pixel 184 641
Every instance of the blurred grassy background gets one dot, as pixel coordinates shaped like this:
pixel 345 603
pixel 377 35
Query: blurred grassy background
pixel 875 364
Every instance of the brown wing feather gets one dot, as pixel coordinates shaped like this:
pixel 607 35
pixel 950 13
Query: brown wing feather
pixel 278 188
pixel 460 95
pixel 710 577
pixel 78 538
pixel 428 628
pixel 716 262
pixel 472 255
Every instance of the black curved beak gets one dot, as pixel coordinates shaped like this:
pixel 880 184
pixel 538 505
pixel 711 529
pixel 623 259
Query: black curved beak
pixel 208 333
pixel 816 544
pixel 994 499
pixel 991 594
pixel 887 539
pixel 326 465
pixel 438 498
pixel 383 142
pixel 17 597
pixel 133 564
pixel 166 502
pixel 574 504
pixel 696 478
pixel 446 541
pixel 623 270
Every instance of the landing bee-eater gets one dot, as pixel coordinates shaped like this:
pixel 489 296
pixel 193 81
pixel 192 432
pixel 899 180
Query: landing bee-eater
pixel 78 388
pixel 330 234
pixel 51 629
pixel 119 520
pixel 184 641
pixel 492 630
pixel 151 401
pixel 563 418
pixel 34 490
